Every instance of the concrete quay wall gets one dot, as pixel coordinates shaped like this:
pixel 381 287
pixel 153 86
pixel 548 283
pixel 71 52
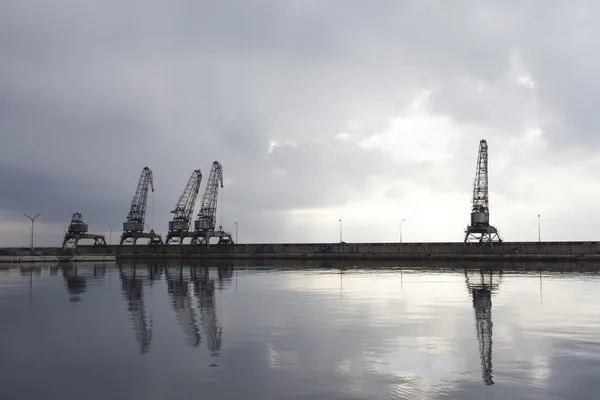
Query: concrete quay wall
pixel 449 251
pixel 442 251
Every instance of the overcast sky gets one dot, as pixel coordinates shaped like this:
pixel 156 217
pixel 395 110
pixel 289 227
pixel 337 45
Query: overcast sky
pixel 369 112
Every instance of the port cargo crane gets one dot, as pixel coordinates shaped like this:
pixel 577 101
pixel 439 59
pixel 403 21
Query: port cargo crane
pixel 480 229
pixel 182 303
pixel 77 231
pixel 132 286
pixel 133 227
pixel 204 226
pixel 179 226
pixel 204 289
pixel 481 287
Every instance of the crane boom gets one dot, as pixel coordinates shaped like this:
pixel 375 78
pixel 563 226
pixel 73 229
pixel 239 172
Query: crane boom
pixel 480 185
pixel 208 210
pixel 185 205
pixel 135 220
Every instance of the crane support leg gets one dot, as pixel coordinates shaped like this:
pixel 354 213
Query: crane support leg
pixel 154 239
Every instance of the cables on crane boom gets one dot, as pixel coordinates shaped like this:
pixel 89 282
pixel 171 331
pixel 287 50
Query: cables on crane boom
pixel 135 220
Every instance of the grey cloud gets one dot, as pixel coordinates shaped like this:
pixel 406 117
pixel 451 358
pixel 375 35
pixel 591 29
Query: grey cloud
pixel 90 95
pixel 303 175
pixel 503 104
pixel 555 44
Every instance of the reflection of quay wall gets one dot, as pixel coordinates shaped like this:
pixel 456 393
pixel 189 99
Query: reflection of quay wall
pixel 54 259
pixel 56 251
pixel 525 251
pixel 52 254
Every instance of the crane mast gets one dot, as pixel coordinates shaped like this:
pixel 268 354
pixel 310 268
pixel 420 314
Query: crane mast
pixel 480 212
pixel 135 220
pixel 480 229
pixel 179 226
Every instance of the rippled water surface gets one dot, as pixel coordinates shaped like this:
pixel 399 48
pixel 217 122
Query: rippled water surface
pixel 100 332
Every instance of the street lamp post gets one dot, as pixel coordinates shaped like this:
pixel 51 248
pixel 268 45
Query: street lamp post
pixel 110 235
pixel 401 223
pixel 340 230
pixel 236 232
pixel 539 231
pixel 32 226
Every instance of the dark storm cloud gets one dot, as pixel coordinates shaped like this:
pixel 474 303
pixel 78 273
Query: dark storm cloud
pixel 90 93
pixel 36 192
pixel 92 103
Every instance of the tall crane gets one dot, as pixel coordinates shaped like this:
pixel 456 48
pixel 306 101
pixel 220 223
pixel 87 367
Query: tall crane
pixel 133 227
pixel 204 226
pixel 480 229
pixel 179 226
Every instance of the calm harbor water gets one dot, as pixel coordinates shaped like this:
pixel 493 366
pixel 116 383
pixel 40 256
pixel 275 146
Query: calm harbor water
pixel 99 332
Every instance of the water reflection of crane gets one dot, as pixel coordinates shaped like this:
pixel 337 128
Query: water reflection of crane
pixel 132 284
pixel 225 276
pixel 481 287
pixel 204 289
pixel 76 279
pixel 178 286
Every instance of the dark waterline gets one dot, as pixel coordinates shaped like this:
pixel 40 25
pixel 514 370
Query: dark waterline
pixel 99 332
